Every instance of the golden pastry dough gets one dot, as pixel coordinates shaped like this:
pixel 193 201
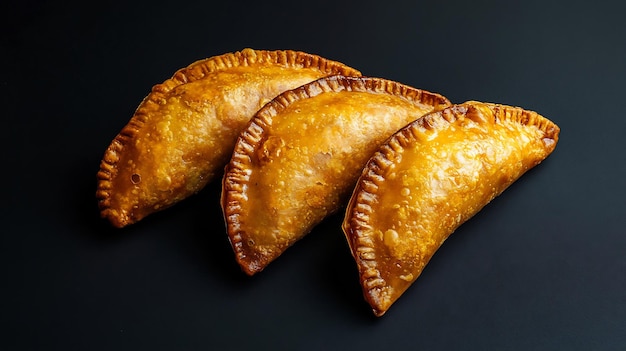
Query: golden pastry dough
pixel 427 180
pixel 184 131
pixel 301 154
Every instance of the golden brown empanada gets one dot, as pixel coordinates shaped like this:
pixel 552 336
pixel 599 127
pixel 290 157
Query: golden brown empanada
pixel 301 154
pixel 184 131
pixel 428 179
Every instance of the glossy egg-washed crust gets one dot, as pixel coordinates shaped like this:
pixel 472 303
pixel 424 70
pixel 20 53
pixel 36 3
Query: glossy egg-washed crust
pixel 301 154
pixel 428 179
pixel 183 132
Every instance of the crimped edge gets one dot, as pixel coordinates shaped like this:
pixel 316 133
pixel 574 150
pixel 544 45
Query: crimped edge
pixel 195 71
pixel 362 202
pixel 237 172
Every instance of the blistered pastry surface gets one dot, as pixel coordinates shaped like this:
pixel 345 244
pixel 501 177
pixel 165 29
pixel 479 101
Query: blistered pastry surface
pixel 430 178
pixel 183 133
pixel 301 162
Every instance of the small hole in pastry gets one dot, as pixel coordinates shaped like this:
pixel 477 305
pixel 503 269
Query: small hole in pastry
pixel 135 178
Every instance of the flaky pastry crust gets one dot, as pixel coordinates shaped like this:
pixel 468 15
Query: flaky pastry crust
pixel 184 131
pixel 428 179
pixel 301 154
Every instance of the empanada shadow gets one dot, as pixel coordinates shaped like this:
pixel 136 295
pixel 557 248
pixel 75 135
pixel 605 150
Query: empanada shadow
pixel 80 209
pixel 333 271
pixel 202 237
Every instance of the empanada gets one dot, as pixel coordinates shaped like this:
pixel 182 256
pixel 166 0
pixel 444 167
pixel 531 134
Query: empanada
pixel 184 131
pixel 428 179
pixel 301 154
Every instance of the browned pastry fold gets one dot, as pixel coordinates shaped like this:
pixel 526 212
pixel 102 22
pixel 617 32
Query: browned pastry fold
pixel 301 154
pixel 428 179
pixel 184 131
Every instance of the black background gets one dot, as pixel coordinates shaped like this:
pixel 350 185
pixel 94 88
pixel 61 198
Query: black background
pixel 540 268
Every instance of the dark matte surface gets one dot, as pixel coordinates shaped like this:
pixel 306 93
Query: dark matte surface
pixel 540 268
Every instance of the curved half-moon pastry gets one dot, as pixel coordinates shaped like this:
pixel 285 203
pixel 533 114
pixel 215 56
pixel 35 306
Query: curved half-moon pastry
pixel 428 179
pixel 301 154
pixel 184 131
